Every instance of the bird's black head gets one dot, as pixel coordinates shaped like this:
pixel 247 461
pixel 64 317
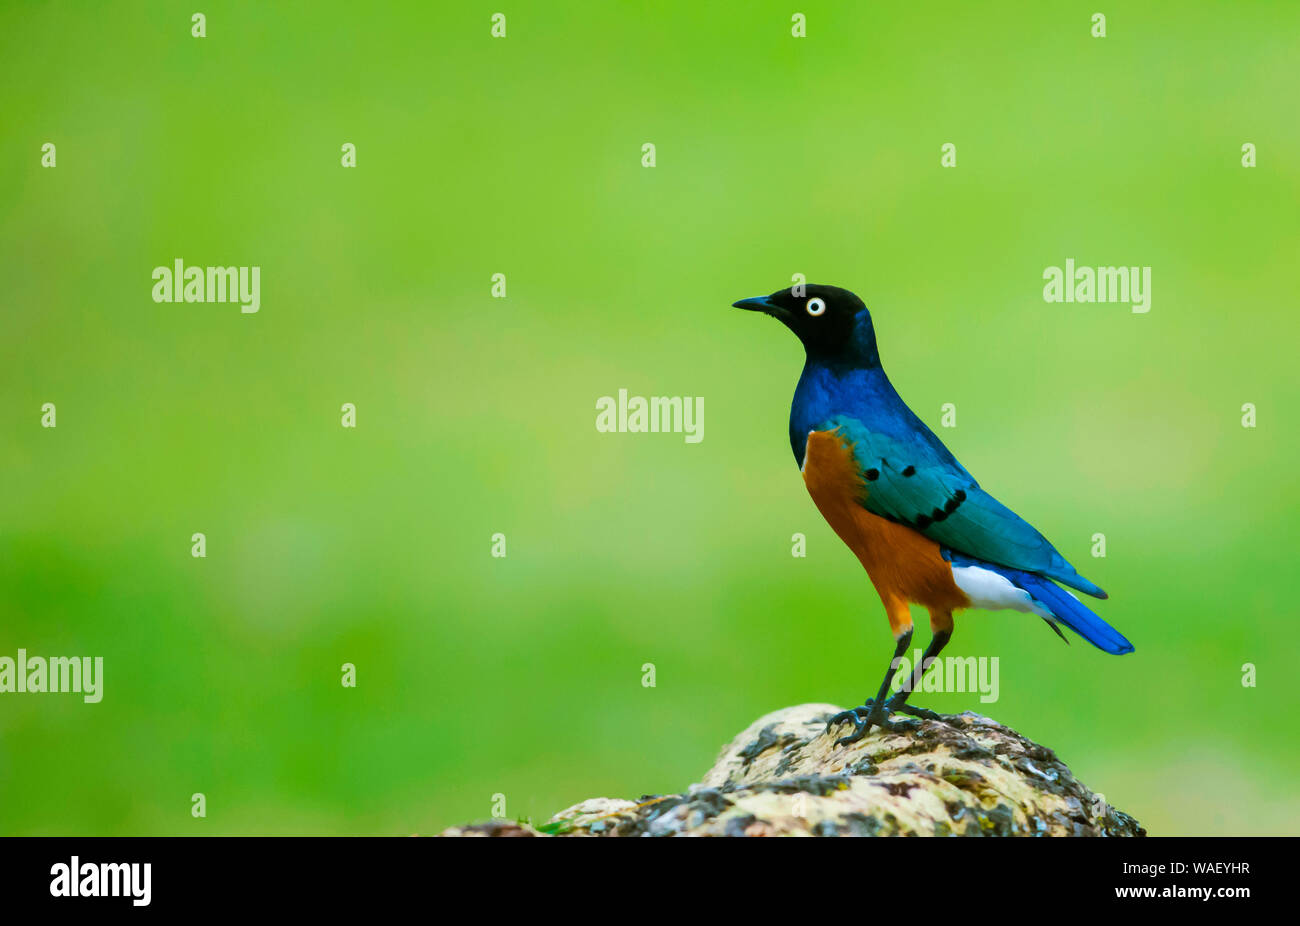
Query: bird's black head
pixel 832 323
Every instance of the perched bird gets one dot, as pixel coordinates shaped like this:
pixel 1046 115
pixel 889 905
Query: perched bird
pixel 922 527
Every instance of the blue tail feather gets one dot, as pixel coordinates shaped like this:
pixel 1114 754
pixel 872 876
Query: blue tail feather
pixel 1071 612
pixel 1065 608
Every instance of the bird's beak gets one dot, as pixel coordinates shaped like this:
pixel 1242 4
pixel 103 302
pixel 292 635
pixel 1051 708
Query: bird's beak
pixel 762 304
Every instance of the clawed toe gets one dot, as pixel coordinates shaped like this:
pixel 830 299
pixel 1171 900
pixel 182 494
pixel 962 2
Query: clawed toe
pixel 922 712
pixel 854 716
pixel 842 717
pixel 863 719
pixel 853 737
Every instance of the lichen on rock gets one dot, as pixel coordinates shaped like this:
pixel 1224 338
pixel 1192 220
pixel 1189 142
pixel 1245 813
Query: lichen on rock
pixel 961 775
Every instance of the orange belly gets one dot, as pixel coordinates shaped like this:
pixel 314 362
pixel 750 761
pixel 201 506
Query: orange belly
pixel 904 565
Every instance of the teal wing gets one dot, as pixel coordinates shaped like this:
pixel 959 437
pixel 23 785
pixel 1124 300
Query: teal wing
pixel 917 482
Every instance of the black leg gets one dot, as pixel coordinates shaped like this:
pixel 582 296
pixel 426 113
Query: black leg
pixel 873 712
pixel 898 703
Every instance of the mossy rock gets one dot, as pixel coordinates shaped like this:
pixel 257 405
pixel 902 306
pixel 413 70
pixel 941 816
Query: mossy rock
pixel 960 775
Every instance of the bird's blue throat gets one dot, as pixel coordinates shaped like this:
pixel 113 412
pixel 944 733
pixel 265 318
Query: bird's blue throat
pixel 849 381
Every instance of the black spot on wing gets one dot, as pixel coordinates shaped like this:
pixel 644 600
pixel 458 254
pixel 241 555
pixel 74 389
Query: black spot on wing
pixel 922 521
pixel 909 470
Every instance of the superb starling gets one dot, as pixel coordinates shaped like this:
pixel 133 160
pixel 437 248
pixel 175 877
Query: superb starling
pixel 922 527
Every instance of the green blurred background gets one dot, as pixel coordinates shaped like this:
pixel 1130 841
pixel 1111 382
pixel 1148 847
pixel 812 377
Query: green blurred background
pixel 522 676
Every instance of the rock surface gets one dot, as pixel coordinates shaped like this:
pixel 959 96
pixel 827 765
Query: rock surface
pixel 962 775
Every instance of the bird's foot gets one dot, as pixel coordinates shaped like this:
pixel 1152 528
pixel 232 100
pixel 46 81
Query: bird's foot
pixel 863 719
pixel 850 716
pixel 869 715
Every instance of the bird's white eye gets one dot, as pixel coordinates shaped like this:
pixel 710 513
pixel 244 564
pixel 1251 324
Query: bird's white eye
pixel 816 306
